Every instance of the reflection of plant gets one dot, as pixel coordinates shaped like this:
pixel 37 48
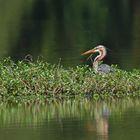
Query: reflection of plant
pixel 63 29
pixel 39 81
pixel 38 113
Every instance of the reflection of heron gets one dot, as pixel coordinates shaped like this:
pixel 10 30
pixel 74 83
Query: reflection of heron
pixel 103 68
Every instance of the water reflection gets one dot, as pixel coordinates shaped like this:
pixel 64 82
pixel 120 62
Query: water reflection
pixel 70 120
pixel 63 30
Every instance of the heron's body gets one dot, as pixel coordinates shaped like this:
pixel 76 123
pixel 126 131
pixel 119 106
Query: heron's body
pixel 103 68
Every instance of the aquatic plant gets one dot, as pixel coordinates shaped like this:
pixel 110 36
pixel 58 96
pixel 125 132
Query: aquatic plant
pixel 40 81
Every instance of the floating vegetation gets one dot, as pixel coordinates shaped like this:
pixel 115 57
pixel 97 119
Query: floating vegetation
pixel 39 81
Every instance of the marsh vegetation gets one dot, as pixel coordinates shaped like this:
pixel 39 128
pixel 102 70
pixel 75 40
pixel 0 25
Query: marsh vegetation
pixel 39 81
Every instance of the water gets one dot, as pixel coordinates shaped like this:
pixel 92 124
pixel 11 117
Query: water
pixel 84 120
pixel 61 31
pixel 64 29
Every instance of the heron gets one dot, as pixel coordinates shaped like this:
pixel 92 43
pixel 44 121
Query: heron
pixel 102 68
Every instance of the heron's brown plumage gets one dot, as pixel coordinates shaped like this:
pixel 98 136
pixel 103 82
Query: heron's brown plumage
pixel 104 68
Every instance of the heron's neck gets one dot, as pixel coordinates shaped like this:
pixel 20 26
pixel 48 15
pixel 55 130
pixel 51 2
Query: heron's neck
pixel 102 54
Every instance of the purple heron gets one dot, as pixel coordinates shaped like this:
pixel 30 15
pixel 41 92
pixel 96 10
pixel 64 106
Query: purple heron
pixel 102 68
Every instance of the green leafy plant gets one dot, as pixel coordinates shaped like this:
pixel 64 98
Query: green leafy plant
pixel 41 81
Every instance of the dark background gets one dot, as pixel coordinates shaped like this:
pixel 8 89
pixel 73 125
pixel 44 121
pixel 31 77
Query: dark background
pixel 55 29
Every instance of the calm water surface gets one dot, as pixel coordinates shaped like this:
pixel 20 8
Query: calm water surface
pixel 84 120
pixel 64 29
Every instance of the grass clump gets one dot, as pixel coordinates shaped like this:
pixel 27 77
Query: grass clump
pixel 38 81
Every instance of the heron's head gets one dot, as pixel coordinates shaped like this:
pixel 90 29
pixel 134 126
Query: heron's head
pixel 100 49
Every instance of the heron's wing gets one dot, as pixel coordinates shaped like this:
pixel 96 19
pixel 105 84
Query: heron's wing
pixel 104 68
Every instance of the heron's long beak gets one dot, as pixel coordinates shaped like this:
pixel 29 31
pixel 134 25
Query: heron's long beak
pixel 89 52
